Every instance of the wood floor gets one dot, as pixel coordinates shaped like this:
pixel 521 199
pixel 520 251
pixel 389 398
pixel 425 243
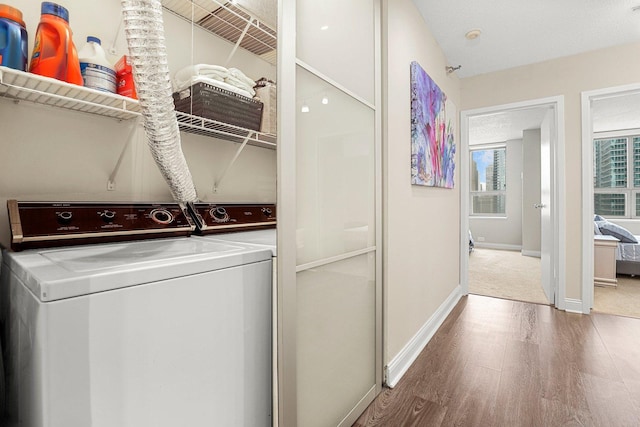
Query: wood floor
pixel 497 362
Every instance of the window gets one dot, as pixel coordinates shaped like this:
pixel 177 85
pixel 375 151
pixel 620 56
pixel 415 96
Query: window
pixel 616 177
pixel 488 187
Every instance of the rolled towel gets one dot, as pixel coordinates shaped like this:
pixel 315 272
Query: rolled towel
pixel 185 75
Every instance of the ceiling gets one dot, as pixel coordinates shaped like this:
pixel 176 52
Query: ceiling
pixel 607 114
pixel 505 126
pixel 616 113
pixel 521 32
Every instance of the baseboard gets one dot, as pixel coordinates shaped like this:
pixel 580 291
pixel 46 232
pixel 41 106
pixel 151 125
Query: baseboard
pixel 573 305
pixel 499 246
pixel 534 254
pixel 403 360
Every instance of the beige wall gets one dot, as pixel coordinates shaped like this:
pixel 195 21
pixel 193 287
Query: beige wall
pixel 54 154
pixel 569 77
pixel 421 224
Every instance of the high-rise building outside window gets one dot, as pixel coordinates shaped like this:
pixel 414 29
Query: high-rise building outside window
pixel 488 185
pixel 616 176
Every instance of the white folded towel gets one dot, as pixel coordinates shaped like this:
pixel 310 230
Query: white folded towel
pixel 232 77
pixel 242 77
pixel 184 76
pixel 240 84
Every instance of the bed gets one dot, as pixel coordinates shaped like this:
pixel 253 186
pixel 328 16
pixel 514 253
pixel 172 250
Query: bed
pixel 628 249
pixel 628 258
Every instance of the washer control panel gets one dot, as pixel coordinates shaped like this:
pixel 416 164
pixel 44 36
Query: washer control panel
pixel 46 224
pixel 219 218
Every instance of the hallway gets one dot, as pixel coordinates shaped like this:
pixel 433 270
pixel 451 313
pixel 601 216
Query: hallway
pixel 497 362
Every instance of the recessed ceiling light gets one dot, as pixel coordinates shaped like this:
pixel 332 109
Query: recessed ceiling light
pixel 472 34
pixel 324 27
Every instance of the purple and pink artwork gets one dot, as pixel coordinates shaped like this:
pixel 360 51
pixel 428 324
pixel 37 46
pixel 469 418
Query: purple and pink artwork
pixel 432 145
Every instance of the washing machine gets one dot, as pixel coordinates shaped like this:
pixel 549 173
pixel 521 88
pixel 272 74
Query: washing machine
pixel 253 224
pixel 263 238
pixel 159 332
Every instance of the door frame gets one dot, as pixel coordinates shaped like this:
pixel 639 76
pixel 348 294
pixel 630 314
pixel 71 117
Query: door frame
pixel 558 262
pixel 587 97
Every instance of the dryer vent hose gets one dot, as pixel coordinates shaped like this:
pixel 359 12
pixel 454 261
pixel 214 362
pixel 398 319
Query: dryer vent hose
pixel 144 31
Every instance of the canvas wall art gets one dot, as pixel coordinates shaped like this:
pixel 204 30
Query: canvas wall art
pixel 432 144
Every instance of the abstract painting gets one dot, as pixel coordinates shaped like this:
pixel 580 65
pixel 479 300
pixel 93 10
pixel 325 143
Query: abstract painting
pixel 432 146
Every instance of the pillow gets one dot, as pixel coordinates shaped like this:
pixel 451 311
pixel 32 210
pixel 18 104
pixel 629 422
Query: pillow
pixel 596 229
pixel 616 231
pixel 598 218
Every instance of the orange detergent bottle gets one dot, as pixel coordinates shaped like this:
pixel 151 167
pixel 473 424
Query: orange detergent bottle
pixel 54 54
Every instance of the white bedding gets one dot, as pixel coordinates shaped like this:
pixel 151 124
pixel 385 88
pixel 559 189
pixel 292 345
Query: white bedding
pixel 628 251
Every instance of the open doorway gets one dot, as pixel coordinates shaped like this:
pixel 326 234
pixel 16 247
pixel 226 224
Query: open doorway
pixel 611 168
pixel 505 204
pixel 546 117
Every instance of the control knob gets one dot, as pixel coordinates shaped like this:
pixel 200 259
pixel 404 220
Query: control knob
pixel 161 216
pixel 267 211
pixel 64 217
pixel 107 215
pixel 219 214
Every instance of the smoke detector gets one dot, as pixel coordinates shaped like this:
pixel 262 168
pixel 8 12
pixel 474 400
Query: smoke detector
pixel 472 34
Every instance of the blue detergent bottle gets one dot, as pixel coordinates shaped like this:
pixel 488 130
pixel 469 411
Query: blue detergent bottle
pixel 13 38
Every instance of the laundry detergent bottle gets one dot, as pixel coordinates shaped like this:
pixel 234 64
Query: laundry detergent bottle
pixel 97 71
pixel 13 38
pixel 54 54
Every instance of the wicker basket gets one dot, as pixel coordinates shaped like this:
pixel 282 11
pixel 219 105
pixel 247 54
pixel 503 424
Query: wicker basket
pixel 212 102
pixel 267 95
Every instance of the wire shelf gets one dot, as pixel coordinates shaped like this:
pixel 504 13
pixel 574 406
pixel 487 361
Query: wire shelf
pixel 212 128
pixel 227 20
pixel 23 86
pixel 235 24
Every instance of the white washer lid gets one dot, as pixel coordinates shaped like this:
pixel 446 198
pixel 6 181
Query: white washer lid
pixel 53 274
pixel 263 238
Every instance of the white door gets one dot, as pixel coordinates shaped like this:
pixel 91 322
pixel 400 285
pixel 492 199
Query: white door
pixel 329 191
pixel 545 205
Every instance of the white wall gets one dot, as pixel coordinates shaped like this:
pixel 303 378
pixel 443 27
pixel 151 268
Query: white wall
pixel 421 224
pixel 504 232
pixel 54 154
pixel 530 191
pixel 567 76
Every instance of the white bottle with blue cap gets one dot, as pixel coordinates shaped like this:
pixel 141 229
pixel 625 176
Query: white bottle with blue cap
pixel 97 71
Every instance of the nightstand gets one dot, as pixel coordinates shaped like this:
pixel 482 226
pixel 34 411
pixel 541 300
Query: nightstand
pixel 604 260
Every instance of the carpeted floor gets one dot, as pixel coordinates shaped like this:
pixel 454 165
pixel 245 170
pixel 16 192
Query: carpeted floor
pixel 505 274
pixel 623 300
pixel 509 275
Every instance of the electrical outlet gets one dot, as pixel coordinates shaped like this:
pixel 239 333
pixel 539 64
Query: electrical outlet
pixel 480 239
